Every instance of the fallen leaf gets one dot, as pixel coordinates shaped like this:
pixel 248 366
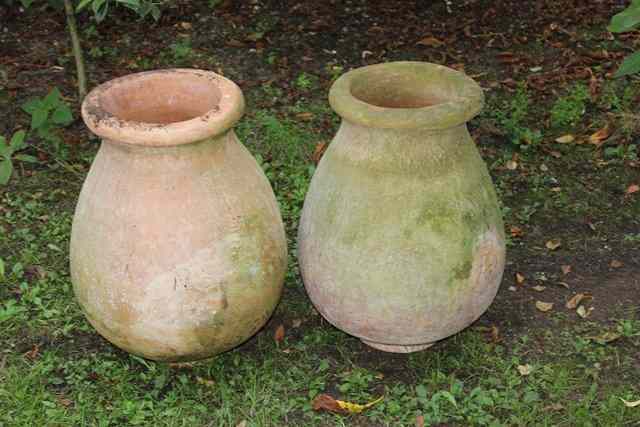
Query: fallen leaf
pixel 553 244
pixel 512 165
pixel 544 168
pixel 181 365
pixel 566 269
pixel 544 306
pixel 513 288
pixel 328 403
pixel 33 353
pixel 629 404
pixel 539 288
pixel 430 41
pixel 615 264
pixel 575 300
pixel 601 135
pixel 186 25
pixel 205 381
pixel 566 139
pixel 633 188
pixel 419 420
pixel 242 423
pixel 516 231
pixel 304 116
pixel 65 402
pixel 582 312
pixel 605 338
pixel 563 284
pixel 495 334
pixel 555 154
pixel 519 278
pixel 524 369
pixel 278 336
pixel 321 147
pixel 296 323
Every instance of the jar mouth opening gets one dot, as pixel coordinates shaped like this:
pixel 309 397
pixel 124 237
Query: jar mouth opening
pixel 406 95
pixel 163 107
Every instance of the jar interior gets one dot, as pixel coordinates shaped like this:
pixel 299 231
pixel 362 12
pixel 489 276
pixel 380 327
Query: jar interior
pixel 161 98
pixel 395 90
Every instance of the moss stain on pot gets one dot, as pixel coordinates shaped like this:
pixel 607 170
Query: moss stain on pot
pixel 400 239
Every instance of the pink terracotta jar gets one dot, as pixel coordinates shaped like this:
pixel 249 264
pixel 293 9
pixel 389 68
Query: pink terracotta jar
pixel 178 250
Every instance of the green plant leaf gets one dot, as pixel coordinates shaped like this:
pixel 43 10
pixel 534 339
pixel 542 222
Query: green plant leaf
pixel 26 3
pixel 17 141
pixel 5 149
pixel 53 99
pixel 630 65
pixel 38 118
pixel 82 5
pixel 100 8
pixel 6 168
pixel 626 20
pixel 62 115
pixel 26 158
pixel 1 269
pixel 32 105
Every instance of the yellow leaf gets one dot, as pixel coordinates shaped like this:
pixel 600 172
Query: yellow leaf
pixel 598 137
pixel 575 301
pixel 566 139
pixel 553 244
pixel 430 41
pixel 582 312
pixel 524 370
pixel 544 306
pixel 630 404
pixel 356 408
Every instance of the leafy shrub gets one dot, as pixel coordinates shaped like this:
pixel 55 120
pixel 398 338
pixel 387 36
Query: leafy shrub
pixel 7 156
pixel 47 115
pixel 511 118
pixel 569 109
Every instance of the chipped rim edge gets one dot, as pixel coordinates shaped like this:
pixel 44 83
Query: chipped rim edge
pixel 214 122
pixel 465 102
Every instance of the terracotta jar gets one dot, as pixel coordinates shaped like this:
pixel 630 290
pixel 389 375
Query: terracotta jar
pixel 401 241
pixel 177 248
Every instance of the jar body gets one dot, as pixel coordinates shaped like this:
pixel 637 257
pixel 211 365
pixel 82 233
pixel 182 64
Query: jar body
pixel 177 252
pixel 401 241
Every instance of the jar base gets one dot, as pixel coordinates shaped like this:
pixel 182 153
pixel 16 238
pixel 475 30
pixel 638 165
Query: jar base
pixel 391 348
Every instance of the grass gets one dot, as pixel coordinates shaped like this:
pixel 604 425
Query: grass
pixel 55 370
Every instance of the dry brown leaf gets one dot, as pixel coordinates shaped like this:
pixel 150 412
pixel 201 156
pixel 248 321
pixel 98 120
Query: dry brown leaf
pixel 296 323
pixel 186 25
pixel 430 41
pixel 633 188
pixel 419 420
pixel 495 334
pixel 563 284
pixel 304 116
pixel 525 370
pixel 575 300
pixel 512 165
pixel 519 278
pixel 279 334
pixel 544 306
pixel 242 423
pixel 566 139
pixel 65 402
pixel 321 147
pixel 539 288
pixel 600 136
pixel 566 269
pixel 516 231
pixel 615 264
pixel 553 244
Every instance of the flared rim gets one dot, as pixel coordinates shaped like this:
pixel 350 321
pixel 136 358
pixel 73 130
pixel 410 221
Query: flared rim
pixel 406 95
pixel 223 107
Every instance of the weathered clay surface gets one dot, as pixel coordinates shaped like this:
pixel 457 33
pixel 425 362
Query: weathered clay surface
pixel 177 249
pixel 401 241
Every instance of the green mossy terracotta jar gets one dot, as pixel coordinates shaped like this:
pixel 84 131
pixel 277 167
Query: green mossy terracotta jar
pixel 401 240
